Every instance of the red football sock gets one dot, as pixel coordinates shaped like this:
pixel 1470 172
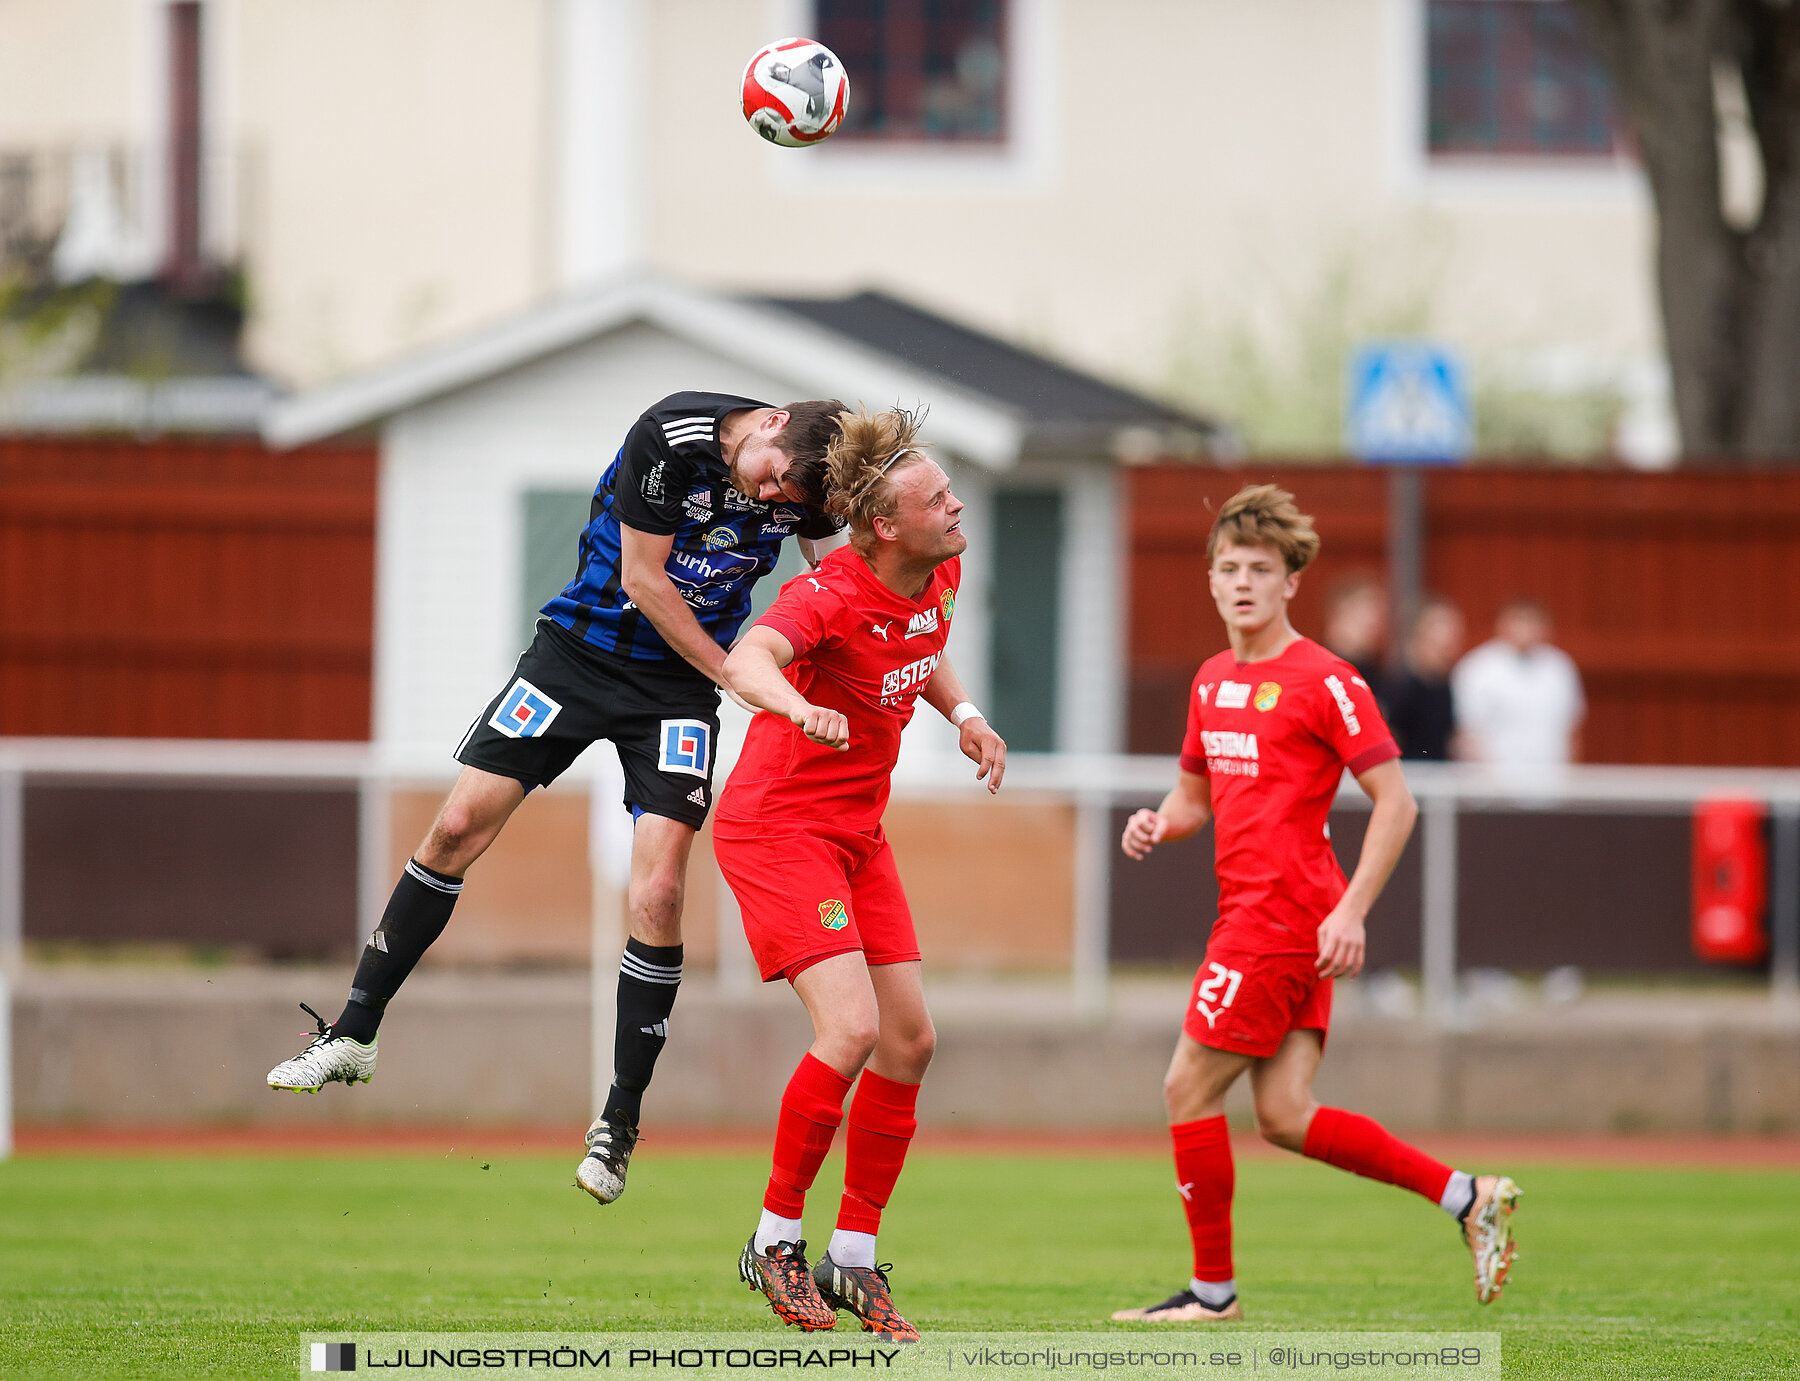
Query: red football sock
pixel 1363 1146
pixel 811 1108
pixel 1206 1178
pixel 881 1128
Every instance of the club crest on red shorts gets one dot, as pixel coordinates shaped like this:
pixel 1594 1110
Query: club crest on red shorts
pixel 832 915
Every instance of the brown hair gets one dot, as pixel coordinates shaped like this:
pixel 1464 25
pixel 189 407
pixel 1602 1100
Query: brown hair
pixel 1264 515
pixel 811 428
pixel 862 460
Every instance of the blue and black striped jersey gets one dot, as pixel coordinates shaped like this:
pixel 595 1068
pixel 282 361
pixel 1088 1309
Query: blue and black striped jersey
pixel 671 478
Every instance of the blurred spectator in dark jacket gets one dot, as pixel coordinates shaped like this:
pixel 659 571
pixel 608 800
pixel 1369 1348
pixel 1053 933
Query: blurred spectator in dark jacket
pixel 1356 627
pixel 1421 709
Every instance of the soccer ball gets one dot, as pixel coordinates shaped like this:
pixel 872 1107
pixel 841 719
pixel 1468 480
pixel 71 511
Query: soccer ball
pixel 795 92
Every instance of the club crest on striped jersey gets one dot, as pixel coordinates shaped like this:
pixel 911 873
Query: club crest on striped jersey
pixel 525 711
pixel 1266 695
pixel 832 915
pixel 719 538
pixel 686 745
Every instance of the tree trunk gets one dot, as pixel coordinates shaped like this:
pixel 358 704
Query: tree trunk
pixel 1730 299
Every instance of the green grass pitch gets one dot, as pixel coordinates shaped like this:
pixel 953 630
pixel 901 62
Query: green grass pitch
pixel 198 1266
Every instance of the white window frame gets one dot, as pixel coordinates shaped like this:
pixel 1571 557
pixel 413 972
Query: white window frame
pixel 1024 161
pixel 1462 179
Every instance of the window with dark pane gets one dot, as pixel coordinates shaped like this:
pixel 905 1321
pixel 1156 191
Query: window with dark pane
pixel 1516 77
pixel 552 523
pixel 1027 600
pixel 923 71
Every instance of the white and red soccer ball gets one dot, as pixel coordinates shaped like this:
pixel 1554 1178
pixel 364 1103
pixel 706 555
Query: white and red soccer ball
pixel 795 92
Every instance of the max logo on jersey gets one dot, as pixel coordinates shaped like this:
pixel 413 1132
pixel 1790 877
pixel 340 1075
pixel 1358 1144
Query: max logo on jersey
pixel 1233 695
pixel 925 621
pixel 525 711
pixel 832 915
pixel 685 744
pixel 1266 696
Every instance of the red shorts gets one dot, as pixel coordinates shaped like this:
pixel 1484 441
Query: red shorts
pixel 806 897
pixel 1246 999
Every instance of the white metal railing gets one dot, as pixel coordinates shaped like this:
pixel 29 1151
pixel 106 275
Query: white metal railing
pixel 1095 784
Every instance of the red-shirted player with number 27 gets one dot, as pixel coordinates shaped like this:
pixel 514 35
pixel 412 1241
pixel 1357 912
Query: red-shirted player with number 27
pixel 1272 724
pixel 839 660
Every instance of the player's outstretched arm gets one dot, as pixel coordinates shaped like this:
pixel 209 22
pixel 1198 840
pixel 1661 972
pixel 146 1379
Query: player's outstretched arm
pixel 753 671
pixel 1342 938
pixel 1183 812
pixel 979 744
pixel 644 575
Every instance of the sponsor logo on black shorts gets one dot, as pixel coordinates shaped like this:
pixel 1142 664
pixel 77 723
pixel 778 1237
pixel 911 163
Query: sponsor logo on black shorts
pixel 685 746
pixel 525 711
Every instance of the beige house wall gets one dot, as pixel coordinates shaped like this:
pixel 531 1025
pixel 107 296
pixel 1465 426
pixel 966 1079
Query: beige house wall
pixel 1179 168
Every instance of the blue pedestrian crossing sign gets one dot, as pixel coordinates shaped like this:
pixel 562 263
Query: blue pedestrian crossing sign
pixel 1409 403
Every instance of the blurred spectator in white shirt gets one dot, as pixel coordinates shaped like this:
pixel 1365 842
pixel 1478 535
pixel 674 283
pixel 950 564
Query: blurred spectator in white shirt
pixel 1518 699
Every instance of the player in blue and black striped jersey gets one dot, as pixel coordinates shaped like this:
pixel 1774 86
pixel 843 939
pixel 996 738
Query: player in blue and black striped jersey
pixel 690 514
pixel 670 480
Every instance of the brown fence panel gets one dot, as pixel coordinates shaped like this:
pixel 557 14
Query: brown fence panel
pixel 186 589
pixel 1174 626
pixel 1678 595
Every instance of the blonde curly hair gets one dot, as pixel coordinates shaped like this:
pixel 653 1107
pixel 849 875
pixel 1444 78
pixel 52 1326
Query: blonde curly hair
pixel 860 464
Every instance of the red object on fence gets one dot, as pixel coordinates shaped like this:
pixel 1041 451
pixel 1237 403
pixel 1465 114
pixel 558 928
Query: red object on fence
pixel 1731 864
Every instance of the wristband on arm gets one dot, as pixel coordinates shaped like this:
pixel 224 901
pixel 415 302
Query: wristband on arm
pixel 964 712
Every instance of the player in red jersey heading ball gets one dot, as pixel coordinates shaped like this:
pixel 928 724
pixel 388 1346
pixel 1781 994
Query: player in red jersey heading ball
pixel 1272 724
pixel 839 660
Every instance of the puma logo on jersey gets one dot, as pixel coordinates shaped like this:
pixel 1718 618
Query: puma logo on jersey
pixel 880 630
pixel 815 584
pixel 1205 692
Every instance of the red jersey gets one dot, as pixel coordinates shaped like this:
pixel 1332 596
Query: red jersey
pixel 859 648
pixel 1275 737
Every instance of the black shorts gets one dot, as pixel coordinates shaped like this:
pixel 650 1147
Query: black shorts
pixel 663 717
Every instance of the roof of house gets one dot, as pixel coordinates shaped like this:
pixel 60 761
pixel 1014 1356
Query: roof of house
pixel 988 401
pixel 1066 407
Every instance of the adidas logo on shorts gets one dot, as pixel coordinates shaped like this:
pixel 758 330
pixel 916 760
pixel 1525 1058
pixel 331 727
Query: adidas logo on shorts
pixel 698 796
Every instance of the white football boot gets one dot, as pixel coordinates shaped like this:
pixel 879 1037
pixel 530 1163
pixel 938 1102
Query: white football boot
pixel 327 1060
pixel 602 1171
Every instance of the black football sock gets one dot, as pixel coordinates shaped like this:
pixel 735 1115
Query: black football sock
pixel 416 915
pixel 648 978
